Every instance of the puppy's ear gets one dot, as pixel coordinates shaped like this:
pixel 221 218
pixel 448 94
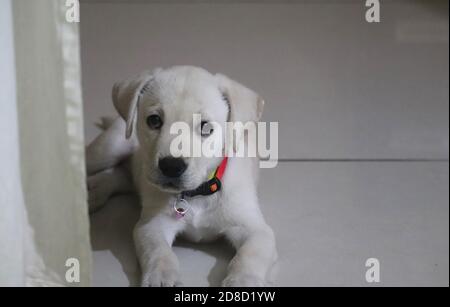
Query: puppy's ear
pixel 126 95
pixel 245 104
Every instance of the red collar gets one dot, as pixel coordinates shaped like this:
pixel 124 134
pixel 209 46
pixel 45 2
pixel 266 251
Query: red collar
pixel 221 169
pixel 211 186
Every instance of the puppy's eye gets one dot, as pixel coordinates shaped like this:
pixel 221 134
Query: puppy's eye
pixel 206 128
pixel 154 121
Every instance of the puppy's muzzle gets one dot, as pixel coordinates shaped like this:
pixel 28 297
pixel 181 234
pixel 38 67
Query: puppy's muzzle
pixel 172 167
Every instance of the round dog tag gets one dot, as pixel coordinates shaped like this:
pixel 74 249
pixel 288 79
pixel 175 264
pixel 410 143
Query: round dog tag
pixel 181 206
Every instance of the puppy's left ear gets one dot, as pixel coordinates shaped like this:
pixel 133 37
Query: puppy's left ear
pixel 245 104
pixel 126 95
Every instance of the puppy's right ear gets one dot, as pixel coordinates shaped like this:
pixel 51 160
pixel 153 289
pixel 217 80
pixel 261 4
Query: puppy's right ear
pixel 126 95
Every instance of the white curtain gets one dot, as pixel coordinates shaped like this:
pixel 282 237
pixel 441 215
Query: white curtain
pixel 43 219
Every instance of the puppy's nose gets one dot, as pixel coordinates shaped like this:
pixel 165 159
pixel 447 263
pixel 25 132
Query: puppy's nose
pixel 172 167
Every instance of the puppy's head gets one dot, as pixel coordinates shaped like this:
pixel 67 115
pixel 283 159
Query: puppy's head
pixel 153 101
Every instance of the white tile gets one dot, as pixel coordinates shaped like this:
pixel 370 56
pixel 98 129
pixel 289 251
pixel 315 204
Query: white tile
pixel 338 86
pixel 331 217
pixel 115 262
pixel 328 219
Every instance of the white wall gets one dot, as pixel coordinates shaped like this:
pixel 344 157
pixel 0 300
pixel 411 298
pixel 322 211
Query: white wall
pixel 341 88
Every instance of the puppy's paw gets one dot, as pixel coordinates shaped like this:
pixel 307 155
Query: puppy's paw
pixel 99 189
pixel 243 280
pixel 163 272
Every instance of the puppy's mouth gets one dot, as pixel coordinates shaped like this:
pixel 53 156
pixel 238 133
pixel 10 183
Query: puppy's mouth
pixel 174 186
pixel 170 187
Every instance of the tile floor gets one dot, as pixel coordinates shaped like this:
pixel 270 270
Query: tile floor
pixel 341 88
pixel 329 217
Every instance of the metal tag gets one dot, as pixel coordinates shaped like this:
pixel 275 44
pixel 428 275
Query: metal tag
pixel 181 207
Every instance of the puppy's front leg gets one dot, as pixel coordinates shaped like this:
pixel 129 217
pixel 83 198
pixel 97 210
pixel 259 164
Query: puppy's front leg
pixel 256 254
pixel 153 238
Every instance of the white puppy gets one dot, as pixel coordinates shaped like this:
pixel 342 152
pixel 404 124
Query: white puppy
pixel 148 105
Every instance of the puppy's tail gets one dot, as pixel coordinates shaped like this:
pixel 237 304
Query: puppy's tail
pixel 104 123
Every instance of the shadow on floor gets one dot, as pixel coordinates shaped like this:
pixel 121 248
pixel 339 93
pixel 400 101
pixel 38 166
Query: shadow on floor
pixel 221 251
pixel 112 243
pixel 112 230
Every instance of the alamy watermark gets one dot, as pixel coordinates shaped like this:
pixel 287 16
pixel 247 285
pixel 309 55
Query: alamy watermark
pixel 373 11
pixel 236 139
pixel 73 270
pixel 73 11
pixel 373 271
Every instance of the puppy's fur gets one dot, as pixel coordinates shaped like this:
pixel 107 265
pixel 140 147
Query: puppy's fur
pixel 176 94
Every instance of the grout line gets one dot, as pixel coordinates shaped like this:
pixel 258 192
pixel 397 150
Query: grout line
pixel 362 160
pixel 321 2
